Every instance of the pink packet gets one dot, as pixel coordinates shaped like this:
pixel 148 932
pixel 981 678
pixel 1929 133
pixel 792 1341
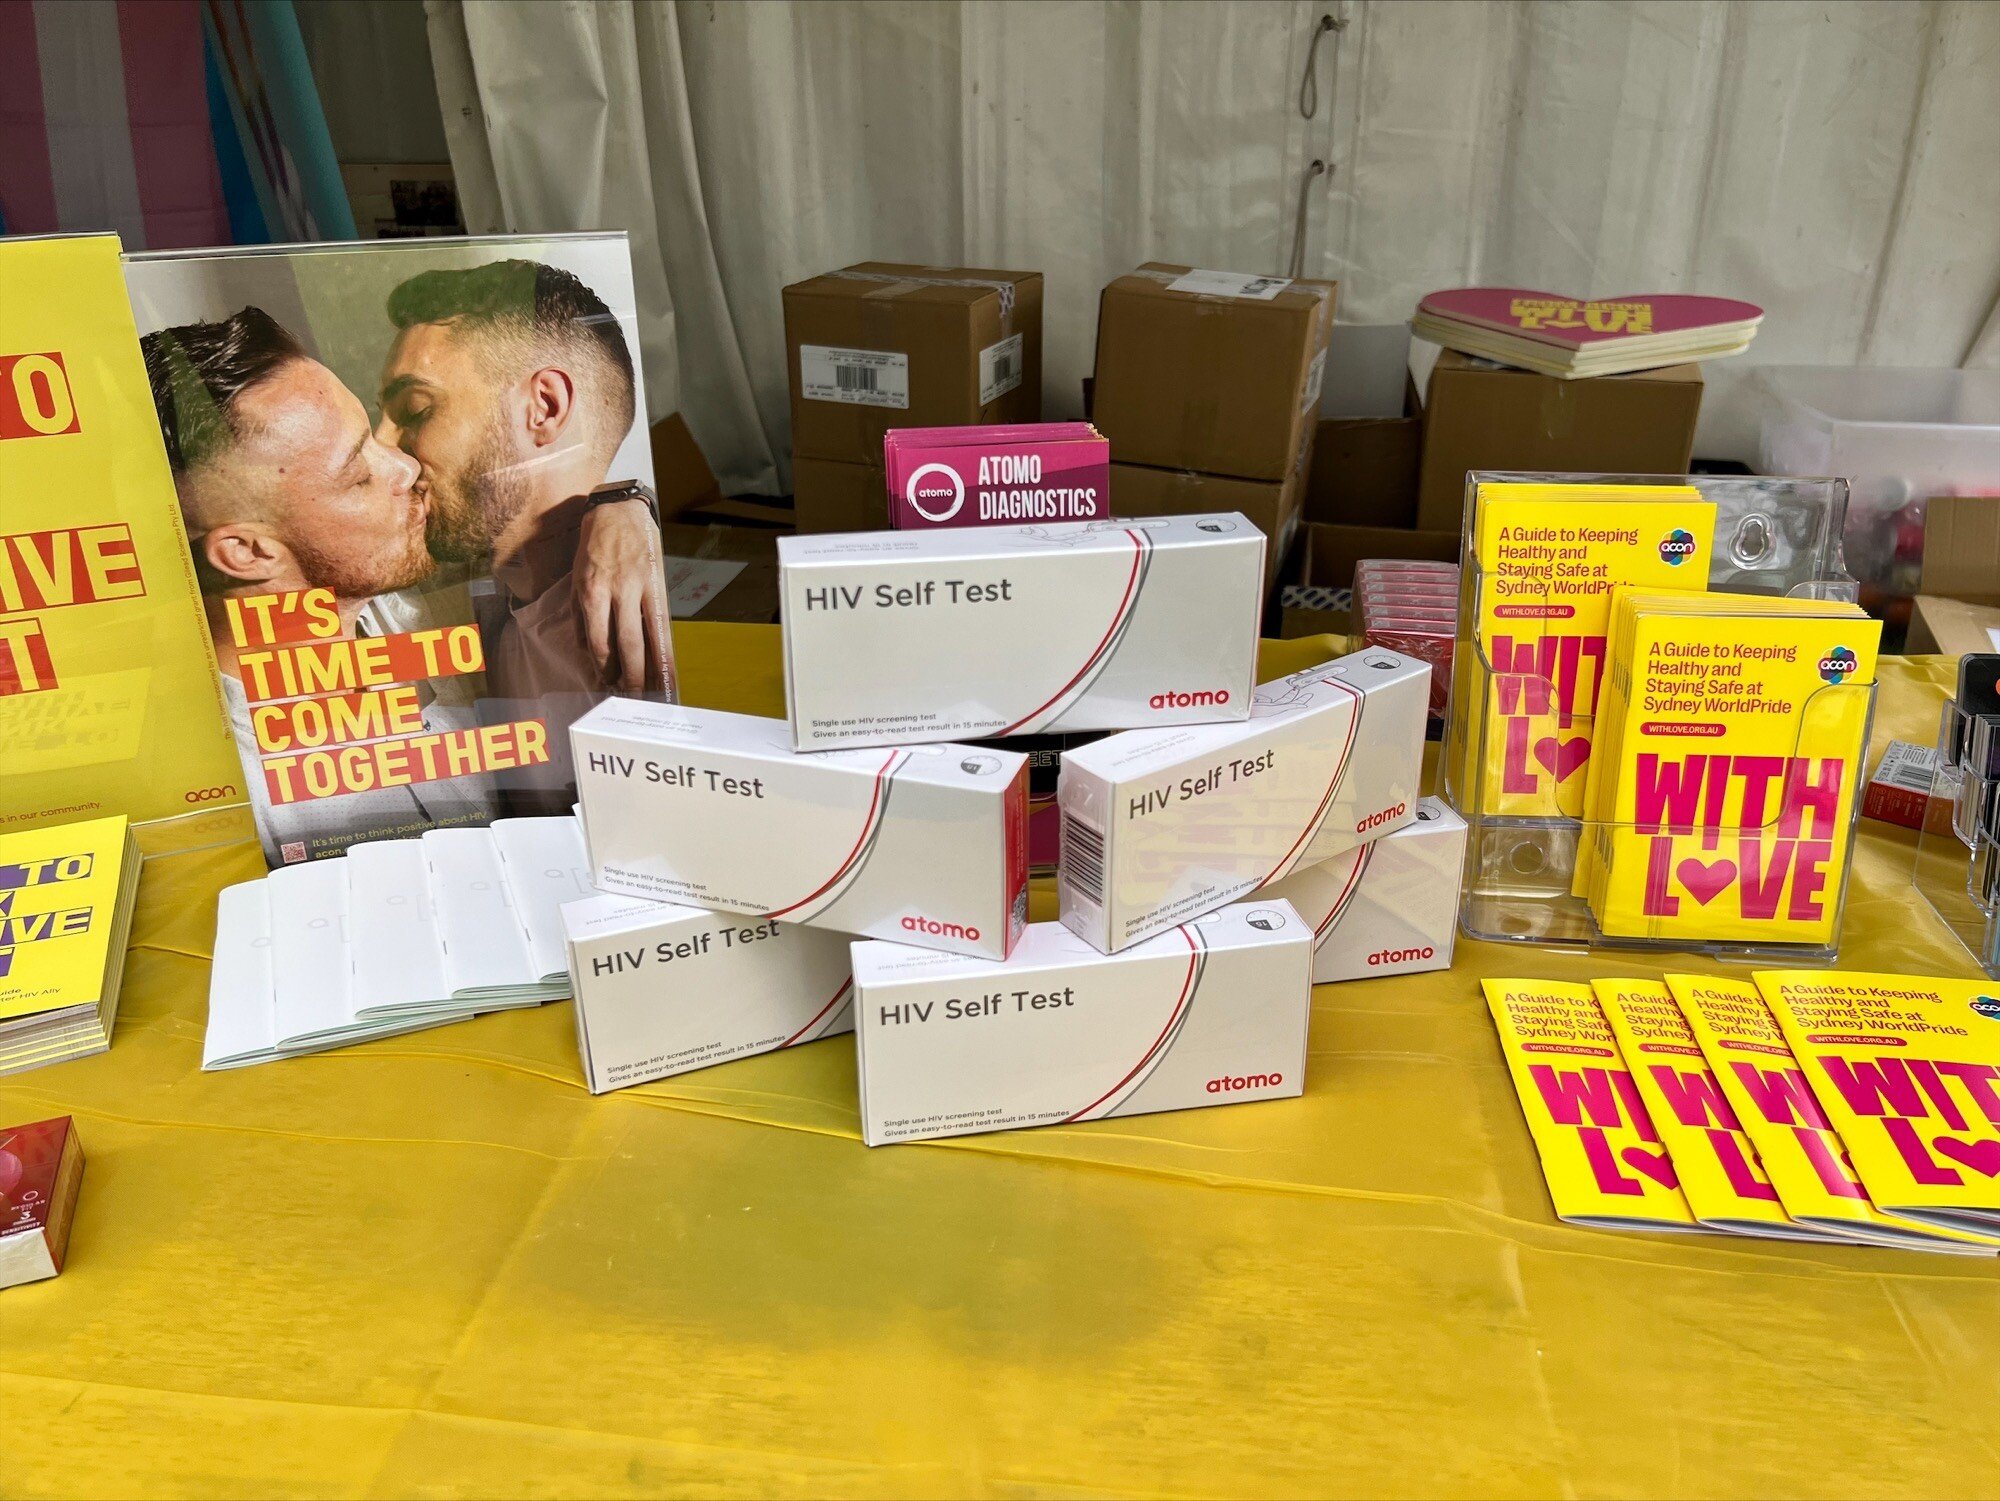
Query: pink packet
pixel 992 476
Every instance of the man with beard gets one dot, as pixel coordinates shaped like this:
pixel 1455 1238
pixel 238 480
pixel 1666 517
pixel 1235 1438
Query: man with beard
pixel 512 387
pixel 284 487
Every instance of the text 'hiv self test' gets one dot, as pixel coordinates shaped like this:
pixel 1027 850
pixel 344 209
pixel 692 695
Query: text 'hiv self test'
pixel 900 637
pixel 920 844
pixel 1159 826
pixel 1213 1013
pixel 662 989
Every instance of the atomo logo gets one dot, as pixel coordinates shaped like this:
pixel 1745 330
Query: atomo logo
pixel 935 929
pixel 1838 665
pixel 935 492
pixel 1676 547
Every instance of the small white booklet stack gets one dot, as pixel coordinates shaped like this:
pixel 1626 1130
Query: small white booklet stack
pixel 393 936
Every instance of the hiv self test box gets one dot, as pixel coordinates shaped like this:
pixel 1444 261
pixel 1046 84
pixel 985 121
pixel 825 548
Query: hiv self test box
pixel 973 632
pixel 921 844
pixel 1159 826
pixel 983 476
pixel 1213 1013
pixel 662 989
pixel 1387 907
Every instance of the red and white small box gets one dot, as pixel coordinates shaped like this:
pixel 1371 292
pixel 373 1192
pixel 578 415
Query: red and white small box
pixel 41 1167
pixel 1900 790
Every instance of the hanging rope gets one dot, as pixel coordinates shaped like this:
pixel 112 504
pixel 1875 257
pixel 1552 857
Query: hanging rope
pixel 1309 85
pixel 1317 169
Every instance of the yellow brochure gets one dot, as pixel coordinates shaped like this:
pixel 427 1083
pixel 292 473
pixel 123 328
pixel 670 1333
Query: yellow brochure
pixel 1802 1154
pixel 60 890
pixel 1729 813
pixel 1549 556
pixel 1721 1176
pixel 1627 605
pixel 1907 1068
pixel 1600 1154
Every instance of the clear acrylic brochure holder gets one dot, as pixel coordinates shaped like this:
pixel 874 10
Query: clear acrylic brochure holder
pixel 1774 537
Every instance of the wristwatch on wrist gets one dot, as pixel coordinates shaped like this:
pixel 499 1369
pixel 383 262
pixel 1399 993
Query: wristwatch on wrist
pixel 623 490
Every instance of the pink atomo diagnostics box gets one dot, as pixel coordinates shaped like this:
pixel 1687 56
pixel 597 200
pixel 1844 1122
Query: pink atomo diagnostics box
pixel 989 476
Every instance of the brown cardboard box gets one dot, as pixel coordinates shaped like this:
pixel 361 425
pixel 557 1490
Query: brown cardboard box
pixel 1962 548
pixel 681 476
pixel 1951 627
pixel 1139 491
pixel 1364 471
pixel 1217 384
pixel 1483 416
pixel 749 594
pixel 933 328
pixel 833 497
pixel 1327 555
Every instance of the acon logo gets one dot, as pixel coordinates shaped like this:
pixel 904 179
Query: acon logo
pixel 1402 956
pixel 1231 1083
pixel 1676 547
pixel 208 794
pixel 1200 699
pixel 1986 1006
pixel 936 929
pixel 1838 665
pixel 1376 820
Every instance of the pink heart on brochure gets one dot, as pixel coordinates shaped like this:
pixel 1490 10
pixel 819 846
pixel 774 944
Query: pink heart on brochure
pixel 1559 319
pixel 1560 759
pixel 1980 1156
pixel 1655 1165
pixel 1705 879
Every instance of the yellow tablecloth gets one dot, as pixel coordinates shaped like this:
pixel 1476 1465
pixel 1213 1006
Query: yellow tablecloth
pixel 435 1265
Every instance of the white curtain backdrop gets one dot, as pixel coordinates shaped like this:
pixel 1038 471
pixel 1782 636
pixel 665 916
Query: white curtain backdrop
pixel 1837 162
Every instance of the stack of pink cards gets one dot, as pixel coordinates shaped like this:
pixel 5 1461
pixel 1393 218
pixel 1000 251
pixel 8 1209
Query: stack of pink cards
pixel 990 476
pixel 1410 606
pixel 1569 337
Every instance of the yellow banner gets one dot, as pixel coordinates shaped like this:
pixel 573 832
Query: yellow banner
pixel 108 694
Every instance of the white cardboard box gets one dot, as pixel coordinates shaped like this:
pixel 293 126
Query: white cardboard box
pixel 1388 907
pixel 1213 1013
pixel 971 632
pixel 662 989
pixel 921 844
pixel 1159 826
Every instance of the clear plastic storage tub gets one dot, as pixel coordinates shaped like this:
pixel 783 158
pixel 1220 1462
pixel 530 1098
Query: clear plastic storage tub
pixel 1897 437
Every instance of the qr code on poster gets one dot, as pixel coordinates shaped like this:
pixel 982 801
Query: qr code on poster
pixel 292 851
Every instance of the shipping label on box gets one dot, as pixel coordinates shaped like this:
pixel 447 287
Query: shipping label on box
pixel 717 810
pixel 859 377
pixel 661 988
pixel 885 344
pixel 1159 826
pixel 1213 1013
pixel 966 633
pixel 1388 907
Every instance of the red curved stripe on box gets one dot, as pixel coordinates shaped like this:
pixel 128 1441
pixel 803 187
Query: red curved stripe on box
pixel 1187 984
pixel 845 986
pixel 1319 814
pixel 1138 553
pixel 1353 880
pixel 874 802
